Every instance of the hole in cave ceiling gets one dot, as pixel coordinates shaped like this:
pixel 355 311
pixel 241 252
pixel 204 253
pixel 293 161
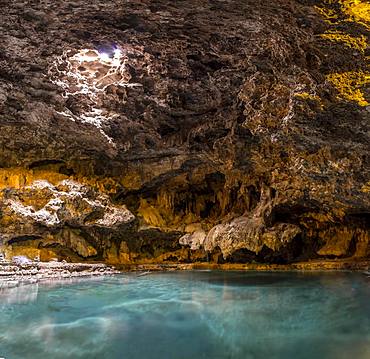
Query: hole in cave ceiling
pixel 85 76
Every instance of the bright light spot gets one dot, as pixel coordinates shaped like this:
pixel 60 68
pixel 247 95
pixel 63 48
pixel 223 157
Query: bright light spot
pixel 89 73
pixel 117 53
pixel 104 57
pixel 86 56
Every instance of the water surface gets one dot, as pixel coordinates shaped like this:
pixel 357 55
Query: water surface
pixel 190 315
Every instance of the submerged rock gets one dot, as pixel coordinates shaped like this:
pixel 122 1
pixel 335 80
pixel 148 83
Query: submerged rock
pixel 156 132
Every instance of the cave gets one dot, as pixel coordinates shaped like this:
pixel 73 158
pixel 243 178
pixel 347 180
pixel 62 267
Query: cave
pixel 189 139
pixel 179 149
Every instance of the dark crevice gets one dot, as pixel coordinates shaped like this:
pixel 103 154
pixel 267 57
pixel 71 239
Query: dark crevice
pixel 254 197
pixel 288 213
pixel 290 253
pixel 43 163
pixel 21 239
pixel 359 219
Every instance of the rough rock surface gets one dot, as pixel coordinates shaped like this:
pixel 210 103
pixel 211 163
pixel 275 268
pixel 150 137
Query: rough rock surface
pixel 175 131
pixel 13 274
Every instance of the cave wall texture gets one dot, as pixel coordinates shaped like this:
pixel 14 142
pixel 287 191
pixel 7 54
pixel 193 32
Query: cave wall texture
pixel 140 131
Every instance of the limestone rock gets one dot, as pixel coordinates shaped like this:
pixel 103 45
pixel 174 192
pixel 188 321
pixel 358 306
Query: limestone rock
pixel 194 240
pixel 237 127
pixel 66 214
pixel 250 234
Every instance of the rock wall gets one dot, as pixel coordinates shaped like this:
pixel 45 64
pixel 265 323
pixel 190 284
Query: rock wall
pixel 187 131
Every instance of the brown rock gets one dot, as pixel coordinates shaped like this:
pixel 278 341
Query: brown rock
pixel 157 131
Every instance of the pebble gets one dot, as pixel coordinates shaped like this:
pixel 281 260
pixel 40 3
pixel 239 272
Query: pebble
pixel 12 275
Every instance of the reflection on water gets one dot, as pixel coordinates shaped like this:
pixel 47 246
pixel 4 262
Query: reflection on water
pixel 21 294
pixel 190 315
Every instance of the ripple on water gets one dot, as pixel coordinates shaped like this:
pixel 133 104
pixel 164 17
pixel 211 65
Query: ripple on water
pixel 191 315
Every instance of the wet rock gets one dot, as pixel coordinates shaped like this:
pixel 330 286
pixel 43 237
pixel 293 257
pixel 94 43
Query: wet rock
pixel 12 275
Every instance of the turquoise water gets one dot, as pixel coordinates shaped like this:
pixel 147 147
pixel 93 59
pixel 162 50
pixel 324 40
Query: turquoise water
pixel 190 315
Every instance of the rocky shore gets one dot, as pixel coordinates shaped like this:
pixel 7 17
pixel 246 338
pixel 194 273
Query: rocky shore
pixel 13 274
pixel 314 265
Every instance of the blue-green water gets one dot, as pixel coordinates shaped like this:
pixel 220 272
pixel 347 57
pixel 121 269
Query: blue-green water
pixel 190 315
